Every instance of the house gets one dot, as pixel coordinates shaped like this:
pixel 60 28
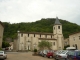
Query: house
pixel 30 40
pixel 74 40
pixel 1 33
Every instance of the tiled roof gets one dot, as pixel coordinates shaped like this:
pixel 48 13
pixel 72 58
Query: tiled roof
pixel 74 33
pixel 37 33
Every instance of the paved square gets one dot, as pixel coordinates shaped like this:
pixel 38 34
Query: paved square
pixel 25 56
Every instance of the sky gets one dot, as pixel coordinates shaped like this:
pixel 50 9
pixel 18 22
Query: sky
pixel 16 11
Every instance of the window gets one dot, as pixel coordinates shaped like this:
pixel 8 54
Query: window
pixel 65 43
pixel 79 37
pixel 34 35
pixel 45 36
pixel 58 27
pixel 73 46
pixel 53 43
pixel 40 35
pixel 76 46
pixel 22 35
pixel 51 36
pixel 74 38
pixel 28 35
pixel 54 28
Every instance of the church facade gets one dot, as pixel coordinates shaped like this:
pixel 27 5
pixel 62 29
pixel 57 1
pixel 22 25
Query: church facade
pixel 30 40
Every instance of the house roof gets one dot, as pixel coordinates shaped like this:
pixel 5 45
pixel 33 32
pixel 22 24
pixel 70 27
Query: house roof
pixel 57 22
pixel 37 33
pixel 1 23
pixel 74 33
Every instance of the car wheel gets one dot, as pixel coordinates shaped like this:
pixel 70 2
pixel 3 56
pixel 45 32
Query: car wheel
pixel 70 59
pixel 2 59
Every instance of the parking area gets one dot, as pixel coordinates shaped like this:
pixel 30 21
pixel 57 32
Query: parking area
pixel 25 56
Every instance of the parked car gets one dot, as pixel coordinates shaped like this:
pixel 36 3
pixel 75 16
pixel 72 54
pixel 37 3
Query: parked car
pixel 62 55
pixel 50 53
pixel 73 55
pixel 57 53
pixel 3 55
pixel 44 53
pixel 40 53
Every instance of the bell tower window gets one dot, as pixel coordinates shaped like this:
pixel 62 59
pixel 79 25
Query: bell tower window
pixel 58 27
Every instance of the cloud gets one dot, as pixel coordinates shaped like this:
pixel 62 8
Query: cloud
pixel 15 11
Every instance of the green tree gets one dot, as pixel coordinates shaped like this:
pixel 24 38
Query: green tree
pixel 5 44
pixel 44 44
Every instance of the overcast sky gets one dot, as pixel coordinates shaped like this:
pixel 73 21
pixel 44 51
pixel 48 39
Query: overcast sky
pixel 15 11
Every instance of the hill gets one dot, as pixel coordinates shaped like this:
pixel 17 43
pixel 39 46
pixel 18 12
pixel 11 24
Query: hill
pixel 43 25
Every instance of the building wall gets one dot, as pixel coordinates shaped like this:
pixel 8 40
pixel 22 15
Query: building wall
pixel 75 40
pixel 60 42
pixel 30 41
pixel 66 42
pixel 1 35
pixel 15 45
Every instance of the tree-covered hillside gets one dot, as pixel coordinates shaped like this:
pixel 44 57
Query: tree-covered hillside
pixel 43 25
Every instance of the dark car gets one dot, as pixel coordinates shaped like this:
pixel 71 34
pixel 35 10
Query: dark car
pixel 73 55
pixel 50 54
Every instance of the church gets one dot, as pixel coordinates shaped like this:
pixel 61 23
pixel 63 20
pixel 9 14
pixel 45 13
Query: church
pixel 30 40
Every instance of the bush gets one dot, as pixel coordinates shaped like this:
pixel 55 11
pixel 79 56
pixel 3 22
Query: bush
pixel 35 50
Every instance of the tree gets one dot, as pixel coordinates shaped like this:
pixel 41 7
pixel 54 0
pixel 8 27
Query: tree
pixel 5 44
pixel 44 44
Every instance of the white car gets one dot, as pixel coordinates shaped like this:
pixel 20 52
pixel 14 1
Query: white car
pixel 3 55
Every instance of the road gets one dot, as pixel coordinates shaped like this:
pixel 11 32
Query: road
pixel 24 56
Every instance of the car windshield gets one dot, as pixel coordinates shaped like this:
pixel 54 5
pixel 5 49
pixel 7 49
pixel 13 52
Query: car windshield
pixel 63 52
pixel 72 53
pixel 60 51
pixel 78 53
pixel 1 52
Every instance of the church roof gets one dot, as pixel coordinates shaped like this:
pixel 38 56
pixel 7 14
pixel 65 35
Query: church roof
pixel 37 33
pixel 57 22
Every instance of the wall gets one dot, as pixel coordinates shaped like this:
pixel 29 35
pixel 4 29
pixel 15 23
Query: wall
pixel 1 35
pixel 75 39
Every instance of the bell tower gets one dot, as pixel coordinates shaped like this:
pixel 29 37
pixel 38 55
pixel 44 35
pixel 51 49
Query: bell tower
pixel 57 28
pixel 57 32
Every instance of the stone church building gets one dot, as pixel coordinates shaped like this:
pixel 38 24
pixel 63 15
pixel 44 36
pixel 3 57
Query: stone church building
pixel 30 40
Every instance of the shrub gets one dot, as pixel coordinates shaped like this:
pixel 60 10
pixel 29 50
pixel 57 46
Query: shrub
pixel 35 50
